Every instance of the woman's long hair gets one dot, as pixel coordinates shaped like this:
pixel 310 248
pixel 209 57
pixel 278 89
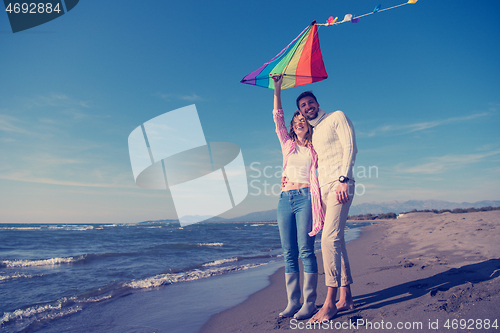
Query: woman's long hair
pixel 307 137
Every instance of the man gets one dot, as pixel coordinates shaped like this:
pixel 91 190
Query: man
pixel 335 143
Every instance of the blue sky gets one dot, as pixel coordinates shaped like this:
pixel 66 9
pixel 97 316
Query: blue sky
pixel 420 83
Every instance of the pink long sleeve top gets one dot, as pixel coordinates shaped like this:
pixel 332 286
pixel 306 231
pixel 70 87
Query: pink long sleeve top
pixel 288 146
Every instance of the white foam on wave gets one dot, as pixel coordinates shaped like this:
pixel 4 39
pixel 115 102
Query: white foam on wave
pixel 169 278
pixel 20 228
pixel 102 227
pixel 62 313
pixel 40 262
pixel 16 276
pixel 93 299
pixel 71 227
pixel 46 311
pixel 210 244
pixel 220 262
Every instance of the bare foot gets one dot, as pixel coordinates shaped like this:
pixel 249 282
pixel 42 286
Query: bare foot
pixel 345 300
pixel 344 305
pixel 326 312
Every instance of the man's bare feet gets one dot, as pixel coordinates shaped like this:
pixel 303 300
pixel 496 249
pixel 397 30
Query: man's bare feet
pixel 327 312
pixel 344 305
pixel 345 300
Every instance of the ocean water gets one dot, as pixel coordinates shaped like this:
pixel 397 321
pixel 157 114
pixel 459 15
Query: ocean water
pixel 51 271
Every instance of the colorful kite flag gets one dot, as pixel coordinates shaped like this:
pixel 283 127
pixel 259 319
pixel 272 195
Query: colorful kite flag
pixel 376 10
pixel 301 62
pixel 331 20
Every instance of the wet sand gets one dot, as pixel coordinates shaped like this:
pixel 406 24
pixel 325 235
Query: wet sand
pixel 422 272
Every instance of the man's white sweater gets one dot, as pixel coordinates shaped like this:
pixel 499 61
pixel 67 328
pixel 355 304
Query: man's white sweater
pixel 335 143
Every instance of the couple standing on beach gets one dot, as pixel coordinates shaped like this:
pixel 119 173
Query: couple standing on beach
pixel 309 203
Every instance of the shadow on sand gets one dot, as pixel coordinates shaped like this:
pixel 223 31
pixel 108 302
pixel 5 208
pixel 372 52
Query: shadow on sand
pixel 473 273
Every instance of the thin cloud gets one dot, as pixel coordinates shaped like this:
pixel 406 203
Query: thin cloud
pixel 7 124
pixel 46 121
pixel 20 176
pixel 64 105
pixel 136 192
pixel 56 100
pixel 46 168
pixel 190 98
pixel 49 160
pixel 389 130
pixel 75 114
pixel 444 163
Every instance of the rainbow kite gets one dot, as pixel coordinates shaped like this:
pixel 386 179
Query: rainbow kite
pixel 301 62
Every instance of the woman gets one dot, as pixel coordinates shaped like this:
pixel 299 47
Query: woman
pixel 299 206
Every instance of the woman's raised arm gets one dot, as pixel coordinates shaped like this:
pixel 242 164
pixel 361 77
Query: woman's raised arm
pixel 278 80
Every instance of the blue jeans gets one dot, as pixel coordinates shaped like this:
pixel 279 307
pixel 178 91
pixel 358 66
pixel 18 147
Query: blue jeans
pixel 294 222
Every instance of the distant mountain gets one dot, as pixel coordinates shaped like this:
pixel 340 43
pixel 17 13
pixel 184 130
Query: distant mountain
pixel 379 208
pixel 406 206
pixel 364 208
pixel 196 218
pixel 155 222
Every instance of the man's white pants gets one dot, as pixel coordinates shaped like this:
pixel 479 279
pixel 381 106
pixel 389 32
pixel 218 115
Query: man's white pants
pixel 335 261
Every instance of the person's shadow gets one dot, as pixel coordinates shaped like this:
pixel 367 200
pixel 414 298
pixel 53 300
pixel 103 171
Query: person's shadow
pixel 473 273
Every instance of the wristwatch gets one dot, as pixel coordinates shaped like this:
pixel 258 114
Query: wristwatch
pixel 343 179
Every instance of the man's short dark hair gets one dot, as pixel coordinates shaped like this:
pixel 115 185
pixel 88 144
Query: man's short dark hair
pixel 308 93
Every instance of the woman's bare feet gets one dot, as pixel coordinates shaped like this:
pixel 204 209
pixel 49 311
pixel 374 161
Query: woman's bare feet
pixel 327 312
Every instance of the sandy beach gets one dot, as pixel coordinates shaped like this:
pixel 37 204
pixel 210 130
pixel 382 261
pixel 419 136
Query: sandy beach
pixel 423 272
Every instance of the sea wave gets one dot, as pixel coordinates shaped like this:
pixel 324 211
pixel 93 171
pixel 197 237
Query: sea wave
pixel 94 299
pixel 40 312
pixel 57 227
pixel 186 246
pixel 20 228
pixel 25 317
pixel 16 263
pixel 71 227
pixel 211 244
pixel 196 274
pixel 66 306
pixel 78 259
pixel 57 309
pixel 220 262
pixel 16 276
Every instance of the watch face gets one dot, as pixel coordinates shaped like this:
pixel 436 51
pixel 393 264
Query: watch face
pixel 343 179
